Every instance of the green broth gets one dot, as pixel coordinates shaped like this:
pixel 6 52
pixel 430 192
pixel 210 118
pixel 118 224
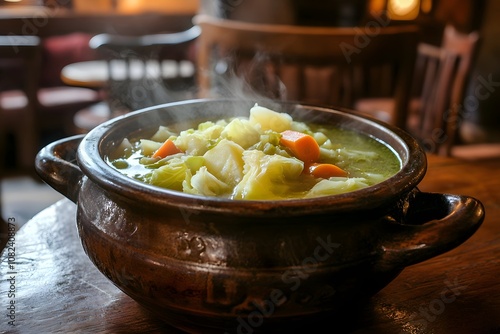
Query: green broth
pixel 360 154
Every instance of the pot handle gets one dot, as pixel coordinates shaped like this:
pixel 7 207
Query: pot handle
pixel 57 166
pixel 431 224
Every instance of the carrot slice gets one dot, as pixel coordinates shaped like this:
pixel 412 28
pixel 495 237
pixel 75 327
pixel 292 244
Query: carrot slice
pixel 166 149
pixel 302 146
pixel 325 171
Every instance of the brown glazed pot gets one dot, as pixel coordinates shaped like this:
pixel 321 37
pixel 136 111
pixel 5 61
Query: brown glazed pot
pixel 205 264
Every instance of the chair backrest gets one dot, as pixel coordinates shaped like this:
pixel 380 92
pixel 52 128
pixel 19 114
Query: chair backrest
pixel 322 65
pixel 20 56
pixel 442 73
pixel 144 59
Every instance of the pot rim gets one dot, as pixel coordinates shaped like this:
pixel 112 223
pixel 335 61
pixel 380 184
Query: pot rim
pixel 91 161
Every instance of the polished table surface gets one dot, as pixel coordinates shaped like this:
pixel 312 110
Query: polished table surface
pixel 48 284
pixel 98 74
pixel 95 73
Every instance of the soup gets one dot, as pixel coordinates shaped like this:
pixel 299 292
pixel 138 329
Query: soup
pixel 266 156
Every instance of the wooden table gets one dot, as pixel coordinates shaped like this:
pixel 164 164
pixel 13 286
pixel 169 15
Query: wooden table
pixel 95 73
pixel 57 289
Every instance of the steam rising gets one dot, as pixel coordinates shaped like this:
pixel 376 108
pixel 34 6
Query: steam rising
pixel 252 80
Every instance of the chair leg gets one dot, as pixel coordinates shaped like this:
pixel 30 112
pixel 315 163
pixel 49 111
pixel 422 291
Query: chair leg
pixel 4 235
pixel 27 146
pixel 3 151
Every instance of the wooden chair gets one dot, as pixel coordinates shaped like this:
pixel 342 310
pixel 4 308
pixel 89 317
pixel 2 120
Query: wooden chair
pixel 445 75
pixel 18 106
pixel 30 113
pixel 18 121
pixel 142 71
pixel 441 75
pixel 322 65
pixel 158 68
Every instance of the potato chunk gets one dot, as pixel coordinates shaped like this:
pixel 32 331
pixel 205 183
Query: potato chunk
pixel 269 119
pixel 225 161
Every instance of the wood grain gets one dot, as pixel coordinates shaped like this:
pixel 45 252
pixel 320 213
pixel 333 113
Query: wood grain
pixel 58 290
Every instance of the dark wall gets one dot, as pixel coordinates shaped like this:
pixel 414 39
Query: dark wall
pixel 482 103
pixel 465 15
pixel 300 12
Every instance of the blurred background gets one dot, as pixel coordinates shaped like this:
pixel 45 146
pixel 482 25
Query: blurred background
pixel 65 84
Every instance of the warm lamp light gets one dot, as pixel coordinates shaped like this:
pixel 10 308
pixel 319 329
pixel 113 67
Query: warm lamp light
pixel 403 9
pixel 166 6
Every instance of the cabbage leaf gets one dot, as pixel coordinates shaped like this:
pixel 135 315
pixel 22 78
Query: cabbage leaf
pixel 206 184
pixel 225 161
pixel 266 176
pixel 337 185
